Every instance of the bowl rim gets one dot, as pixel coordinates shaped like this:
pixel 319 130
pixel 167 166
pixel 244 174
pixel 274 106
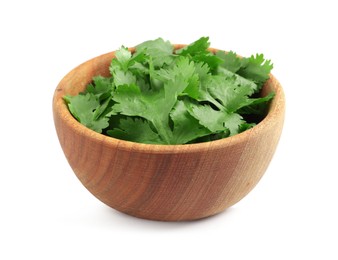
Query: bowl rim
pixel 61 110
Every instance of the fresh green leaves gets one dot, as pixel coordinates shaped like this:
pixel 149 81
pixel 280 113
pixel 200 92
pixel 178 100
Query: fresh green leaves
pixel 160 52
pixel 185 126
pixel 160 96
pixel 255 68
pixel 88 110
pixel 136 130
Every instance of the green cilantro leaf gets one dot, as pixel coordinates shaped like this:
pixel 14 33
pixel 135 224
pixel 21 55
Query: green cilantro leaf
pixel 84 107
pixel 228 93
pixel 119 68
pixel 239 80
pixel 197 47
pixel 256 68
pixel 161 51
pixel 133 102
pixel 245 126
pixel 256 106
pixel 156 95
pixel 210 59
pixel 101 87
pixel 231 61
pixel 135 130
pixel 123 77
pixel 216 120
pixel 123 58
pixel 198 52
pixel 186 128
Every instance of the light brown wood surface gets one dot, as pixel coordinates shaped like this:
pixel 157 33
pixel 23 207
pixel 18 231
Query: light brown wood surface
pixel 165 182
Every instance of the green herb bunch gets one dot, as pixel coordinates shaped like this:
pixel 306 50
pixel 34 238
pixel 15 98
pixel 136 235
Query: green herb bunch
pixel 158 95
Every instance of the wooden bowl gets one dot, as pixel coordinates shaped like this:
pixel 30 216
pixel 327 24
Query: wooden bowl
pixel 165 182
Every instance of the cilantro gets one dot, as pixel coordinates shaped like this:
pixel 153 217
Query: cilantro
pixel 160 51
pixel 198 47
pixel 216 120
pixel 230 60
pixel 136 130
pixel 256 68
pixel 198 52
pixel 185 126
pixel 87 110
pixel 160 96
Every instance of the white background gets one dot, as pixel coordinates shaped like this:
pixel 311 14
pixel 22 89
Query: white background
pixel 47 214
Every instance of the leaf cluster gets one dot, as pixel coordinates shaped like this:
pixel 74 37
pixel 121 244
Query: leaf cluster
pixel 158 95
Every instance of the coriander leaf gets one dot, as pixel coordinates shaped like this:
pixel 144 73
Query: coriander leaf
pixel 139 69
pixel 196 84
pixel 101 87
pixel 245 126
pixel 202 70
pixel 119 68
pixel 197 47
pixel 131 101
pixel 208 58
pixel 155 106
pixel 157 96
pixel 256 68
pixel 256 106
pixel 198 52
pixel 183 68
pixel 135 130
pixel 104 110
pixel 228 93
pixel 192 89
pixel 123 77
pixel 230 61
pixel 152 106
pixel 266 99
pixel 125 60
pixel 161 51
pixel 83 107
pixel 216 120
pixel 186 128
pixel 239 80
pixel 123 56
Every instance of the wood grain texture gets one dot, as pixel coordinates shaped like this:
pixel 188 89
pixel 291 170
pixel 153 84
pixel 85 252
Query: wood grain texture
pixel 165 182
